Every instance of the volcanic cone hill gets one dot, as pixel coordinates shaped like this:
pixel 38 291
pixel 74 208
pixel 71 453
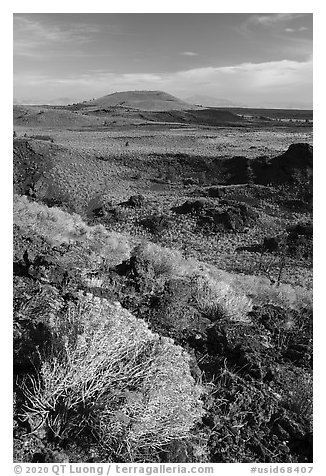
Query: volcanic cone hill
pixel 141 100
pixel 122 108
pixel 154 106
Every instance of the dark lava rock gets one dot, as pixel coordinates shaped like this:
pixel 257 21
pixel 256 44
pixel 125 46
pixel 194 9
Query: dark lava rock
pixel 248 359
pixel 294 166
pixel 26 446
pixel 34 303
pixel 138 272
pixel 190 181
pixel 216 342
pixel 31 163
pixel 298 156
pixel 216 192
pixel 297 241
pixel 274 243
pixel 299 354
pixel 192 206
pixel 27 250
pixel 293 428
pixel 279 431
pixel 36 259
pixel 156 223
pixel 290 332
pixel 99 209
pixel 136 201
pixel 238 170
pixel 241 346
pixel 43 137
pixel 173 313
pixel 169 308
pixel 222 217
pixel 134 284
pixel 211 341
pixel 304 229
pixel 30 448
pixel 272 317
pixel 300 240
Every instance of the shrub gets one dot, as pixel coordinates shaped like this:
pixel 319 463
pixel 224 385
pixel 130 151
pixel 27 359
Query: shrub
pixel 299 395
pixel 233 292
pixel 34 308
pixel 117 383
pixel 260 290
pixel 218 298
pixel 212 292
pixel 58 227
pixel 165 261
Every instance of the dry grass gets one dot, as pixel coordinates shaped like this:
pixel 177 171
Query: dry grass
pixel 216 298
pixel 60 227
pixel 260 290
pixel 124 385
pixel 233 293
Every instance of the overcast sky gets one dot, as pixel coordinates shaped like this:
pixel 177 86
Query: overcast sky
pixel 257 60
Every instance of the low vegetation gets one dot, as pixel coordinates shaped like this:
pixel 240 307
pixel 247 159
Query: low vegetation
pixel 69 393
pixel 162 300
pixel 109 383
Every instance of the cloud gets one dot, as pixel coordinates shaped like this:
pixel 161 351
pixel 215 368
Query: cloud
pixel 255 84
pixel 36 38
pixel 189 53
pixel 273 18
pixel 294 30
pixel 274 24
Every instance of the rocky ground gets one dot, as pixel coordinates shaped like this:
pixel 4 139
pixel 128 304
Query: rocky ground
pixel 212 251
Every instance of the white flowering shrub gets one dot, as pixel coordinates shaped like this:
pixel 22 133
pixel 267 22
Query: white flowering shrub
pixel 126 386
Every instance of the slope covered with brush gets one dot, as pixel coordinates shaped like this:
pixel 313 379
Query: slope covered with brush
pixel 227 394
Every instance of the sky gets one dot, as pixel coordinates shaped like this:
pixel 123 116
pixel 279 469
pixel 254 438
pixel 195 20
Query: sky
pixel 241 59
